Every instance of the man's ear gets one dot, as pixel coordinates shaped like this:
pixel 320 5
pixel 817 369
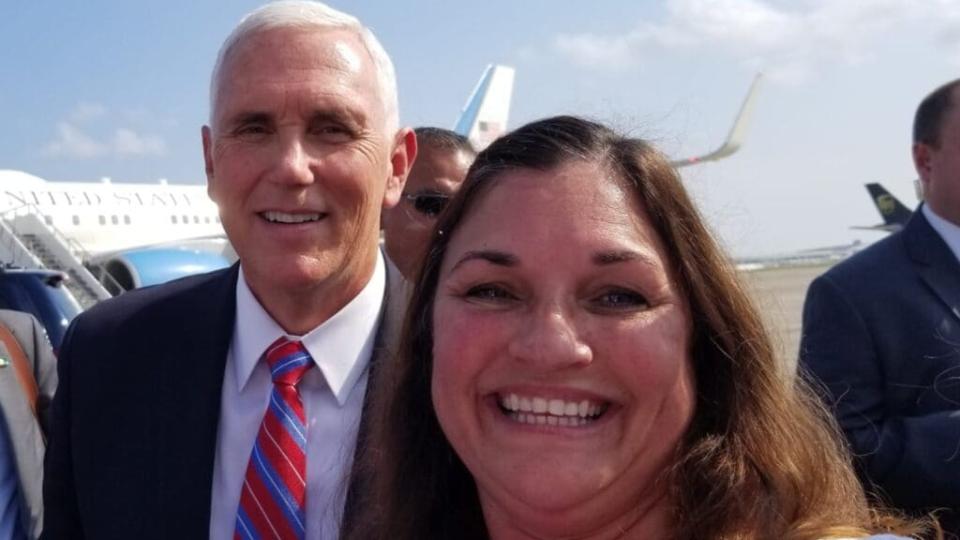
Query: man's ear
pixel 922 156
pixel 401 160
pixel 207 136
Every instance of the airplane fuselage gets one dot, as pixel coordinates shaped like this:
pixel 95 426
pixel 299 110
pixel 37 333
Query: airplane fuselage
pixel 105 216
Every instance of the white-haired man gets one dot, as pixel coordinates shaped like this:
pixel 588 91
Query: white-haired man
pixel 230 404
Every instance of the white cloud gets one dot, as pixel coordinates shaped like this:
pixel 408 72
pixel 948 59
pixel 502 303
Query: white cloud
pixel 73 137
pixel 791 38
pixel 72 142
pixel 84 112
pixel 126 142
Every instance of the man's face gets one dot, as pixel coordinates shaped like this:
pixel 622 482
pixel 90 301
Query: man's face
pixel 299 162
pixel 939 166
pixel 435 176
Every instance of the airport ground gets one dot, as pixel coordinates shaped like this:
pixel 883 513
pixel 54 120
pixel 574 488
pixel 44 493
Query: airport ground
pixel 779 293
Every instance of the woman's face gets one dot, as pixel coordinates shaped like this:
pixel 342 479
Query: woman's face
pixel 562 373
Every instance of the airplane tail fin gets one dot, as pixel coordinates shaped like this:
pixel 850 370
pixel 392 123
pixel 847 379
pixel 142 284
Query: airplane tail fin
pixel 484 116
pixel 891 209
pixel 737 133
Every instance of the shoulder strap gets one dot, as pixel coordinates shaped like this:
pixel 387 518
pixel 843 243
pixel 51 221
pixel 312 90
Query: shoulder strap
pixel 20 365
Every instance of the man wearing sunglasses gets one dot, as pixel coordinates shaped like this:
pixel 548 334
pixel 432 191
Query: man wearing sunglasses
pixel 440 167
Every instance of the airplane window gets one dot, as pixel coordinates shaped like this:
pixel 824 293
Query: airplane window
pixel 216 218
pixel 196 219
pixel 126 220
pixel 173 219
pixel 48 220
pixel 186 220
pixel 103 220
pixel 114 220
pixel 206 219
pixel 76 220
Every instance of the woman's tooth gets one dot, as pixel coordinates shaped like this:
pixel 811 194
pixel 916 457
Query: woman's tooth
pixel 539 405
pixel 556 407
pixel 525 405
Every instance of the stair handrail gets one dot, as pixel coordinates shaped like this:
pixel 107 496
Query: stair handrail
pixel 77 249
pixel 12 241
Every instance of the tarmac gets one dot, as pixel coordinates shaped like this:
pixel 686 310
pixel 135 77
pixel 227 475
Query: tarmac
pixel 779 293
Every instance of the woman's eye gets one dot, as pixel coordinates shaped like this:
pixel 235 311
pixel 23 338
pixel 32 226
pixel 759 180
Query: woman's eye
pixel 621 299
pixel 489 293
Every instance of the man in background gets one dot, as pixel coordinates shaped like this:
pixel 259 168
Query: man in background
pixel 882 331
pixel 28 379
pixel 443 158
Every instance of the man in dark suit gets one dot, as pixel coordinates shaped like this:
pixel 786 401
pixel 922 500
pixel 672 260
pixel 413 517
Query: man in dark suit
pixel 881 330
pixel 25 393
pixel 230 403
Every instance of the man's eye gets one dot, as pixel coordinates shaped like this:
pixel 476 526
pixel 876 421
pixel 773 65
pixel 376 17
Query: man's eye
pixel 251 129
pixel 336 131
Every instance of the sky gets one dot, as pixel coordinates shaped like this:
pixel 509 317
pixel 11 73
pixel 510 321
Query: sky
pixel 119 89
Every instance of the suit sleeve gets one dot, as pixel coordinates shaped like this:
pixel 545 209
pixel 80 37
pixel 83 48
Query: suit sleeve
pixel 914 461
pixel 61 514
pixel 44 371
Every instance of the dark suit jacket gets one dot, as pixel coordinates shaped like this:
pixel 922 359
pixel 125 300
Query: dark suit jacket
pixel 135 418
pixel 25 432
pixel 882 331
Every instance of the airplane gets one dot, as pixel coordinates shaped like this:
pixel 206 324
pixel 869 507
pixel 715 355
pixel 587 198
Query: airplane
pixel 111 237
pixel 128 234
pixel 737 134
pixel 484 116
pixel 894 213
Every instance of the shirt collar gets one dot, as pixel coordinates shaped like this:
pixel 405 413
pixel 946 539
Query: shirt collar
pixel 946 229
pixel 340 347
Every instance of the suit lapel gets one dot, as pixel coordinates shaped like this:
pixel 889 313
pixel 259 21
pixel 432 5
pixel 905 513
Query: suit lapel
pixel 935 263
pixel 191 381
pixel 387 341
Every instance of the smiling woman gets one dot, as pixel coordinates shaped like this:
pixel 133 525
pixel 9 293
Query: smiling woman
pixel 579 361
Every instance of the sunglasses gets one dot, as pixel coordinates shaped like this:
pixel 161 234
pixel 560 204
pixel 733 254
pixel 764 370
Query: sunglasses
pixel 428 204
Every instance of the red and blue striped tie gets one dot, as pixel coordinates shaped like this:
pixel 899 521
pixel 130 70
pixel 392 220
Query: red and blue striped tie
pixel 274 487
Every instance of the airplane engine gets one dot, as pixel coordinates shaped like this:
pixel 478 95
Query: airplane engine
pixel 151 266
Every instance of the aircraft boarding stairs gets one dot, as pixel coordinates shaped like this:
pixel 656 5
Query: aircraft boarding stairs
pixel 28 241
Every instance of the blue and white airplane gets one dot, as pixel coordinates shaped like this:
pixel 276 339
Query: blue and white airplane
pixel 142 234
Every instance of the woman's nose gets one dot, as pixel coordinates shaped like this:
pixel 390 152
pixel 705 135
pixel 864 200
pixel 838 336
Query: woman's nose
pixel 550 339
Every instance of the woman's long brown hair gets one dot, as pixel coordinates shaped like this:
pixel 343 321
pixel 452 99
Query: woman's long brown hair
pixel 762 458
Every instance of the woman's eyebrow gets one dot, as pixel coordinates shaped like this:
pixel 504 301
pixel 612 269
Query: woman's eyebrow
pixel 499 258
pixel 604 258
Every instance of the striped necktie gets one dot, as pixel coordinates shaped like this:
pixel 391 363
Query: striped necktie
pixel 274 487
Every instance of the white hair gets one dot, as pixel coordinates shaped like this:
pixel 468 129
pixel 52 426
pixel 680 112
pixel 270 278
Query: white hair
pixel 307 14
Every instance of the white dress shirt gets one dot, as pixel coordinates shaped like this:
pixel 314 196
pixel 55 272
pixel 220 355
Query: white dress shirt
pixel 947 230
pixel 332 395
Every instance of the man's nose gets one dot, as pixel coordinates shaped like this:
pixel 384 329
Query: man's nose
pixel 293 163
pixel 550 339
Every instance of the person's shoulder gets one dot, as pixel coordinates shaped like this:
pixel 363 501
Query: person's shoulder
pixel 10 317
pixel 174 298
pixel 883 256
